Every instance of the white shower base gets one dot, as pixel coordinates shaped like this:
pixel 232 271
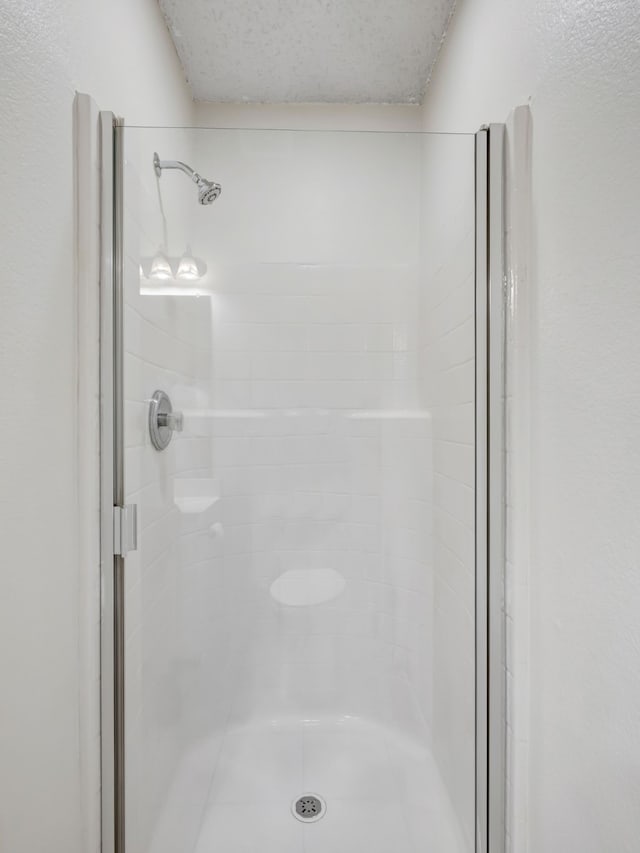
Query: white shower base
pixel 383 791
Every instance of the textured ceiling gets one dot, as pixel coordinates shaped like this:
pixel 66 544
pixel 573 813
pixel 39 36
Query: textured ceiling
pixel 336 51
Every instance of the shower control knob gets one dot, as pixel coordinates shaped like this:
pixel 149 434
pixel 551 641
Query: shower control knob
pixel 163 421
pixel 172 420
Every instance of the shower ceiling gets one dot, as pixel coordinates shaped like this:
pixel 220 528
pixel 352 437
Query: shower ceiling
pixel 331 51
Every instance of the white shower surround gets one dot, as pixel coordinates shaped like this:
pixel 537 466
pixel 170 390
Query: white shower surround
pixel 315 433
pixel 319 276
pixel 315 281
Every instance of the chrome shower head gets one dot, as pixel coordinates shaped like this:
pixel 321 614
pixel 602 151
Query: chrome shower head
pixel 208 191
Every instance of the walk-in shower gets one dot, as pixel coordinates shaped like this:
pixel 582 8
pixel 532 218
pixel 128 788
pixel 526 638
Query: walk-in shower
pixel 303 630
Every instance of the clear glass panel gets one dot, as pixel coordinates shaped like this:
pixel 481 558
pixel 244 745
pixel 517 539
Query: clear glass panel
pixel 300 612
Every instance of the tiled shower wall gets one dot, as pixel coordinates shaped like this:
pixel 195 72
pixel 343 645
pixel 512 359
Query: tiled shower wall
pixel 321 442
pixel 447 363
pixel 323 465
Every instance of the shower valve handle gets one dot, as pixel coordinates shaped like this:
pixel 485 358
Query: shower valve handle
pixel 163 421
pixel 172 420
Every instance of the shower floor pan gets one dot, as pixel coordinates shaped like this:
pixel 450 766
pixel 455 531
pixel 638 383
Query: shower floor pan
pixel 382 790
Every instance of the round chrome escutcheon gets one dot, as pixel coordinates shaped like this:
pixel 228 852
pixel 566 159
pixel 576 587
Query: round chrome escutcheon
pixel 163 421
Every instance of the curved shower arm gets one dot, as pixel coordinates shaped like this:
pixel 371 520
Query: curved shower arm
pixel 159 165
pixel 208 191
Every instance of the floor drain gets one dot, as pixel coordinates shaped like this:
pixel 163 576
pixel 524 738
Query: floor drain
pixel 309 807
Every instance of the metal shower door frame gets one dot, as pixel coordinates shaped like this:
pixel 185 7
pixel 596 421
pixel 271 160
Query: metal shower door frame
pixel 112 489
pixel 490 491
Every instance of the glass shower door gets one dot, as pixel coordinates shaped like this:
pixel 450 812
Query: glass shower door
pixel 300 628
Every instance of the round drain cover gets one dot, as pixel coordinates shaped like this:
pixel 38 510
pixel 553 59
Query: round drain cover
pixel 309 807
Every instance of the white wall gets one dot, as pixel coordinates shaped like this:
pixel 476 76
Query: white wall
pixel 579 64
pixel 121 54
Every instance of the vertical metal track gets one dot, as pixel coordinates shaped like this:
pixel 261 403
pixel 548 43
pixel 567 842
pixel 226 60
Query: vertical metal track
pixel 112 487
pixel 118 483
pixel 490 493
pixel 496 493
pixel 481 488
pixel 107 626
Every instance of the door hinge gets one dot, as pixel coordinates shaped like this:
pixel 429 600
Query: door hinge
pixel 125 529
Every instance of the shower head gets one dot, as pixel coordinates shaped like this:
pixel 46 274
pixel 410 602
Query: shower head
pixel 208 191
